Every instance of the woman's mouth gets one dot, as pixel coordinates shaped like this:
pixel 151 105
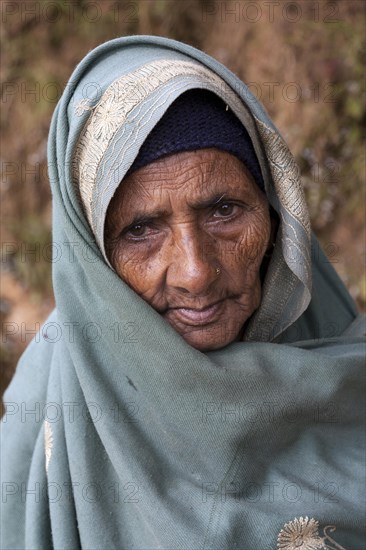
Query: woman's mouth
pixel 195 316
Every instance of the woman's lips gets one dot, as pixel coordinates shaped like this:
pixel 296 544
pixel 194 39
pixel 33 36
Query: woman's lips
pixel 197 317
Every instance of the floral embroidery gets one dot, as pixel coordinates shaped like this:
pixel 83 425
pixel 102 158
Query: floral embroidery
pixel 286 175
pixel 82 106
pixel 107 118
pixel 300 533
pixel 303 534
pixel 48 442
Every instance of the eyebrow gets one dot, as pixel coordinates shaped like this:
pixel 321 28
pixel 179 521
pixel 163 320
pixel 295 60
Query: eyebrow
pixel 145 217
pixel 210 201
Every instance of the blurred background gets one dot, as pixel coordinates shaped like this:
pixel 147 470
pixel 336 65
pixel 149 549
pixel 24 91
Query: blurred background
pixel 303 59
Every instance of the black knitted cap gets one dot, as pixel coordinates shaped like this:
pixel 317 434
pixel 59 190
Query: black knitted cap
pixel 198 119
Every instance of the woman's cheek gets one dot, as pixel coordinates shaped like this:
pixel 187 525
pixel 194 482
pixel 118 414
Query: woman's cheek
pixel 257 238
pixel 141 273
pixel 251 248
pixel 125 261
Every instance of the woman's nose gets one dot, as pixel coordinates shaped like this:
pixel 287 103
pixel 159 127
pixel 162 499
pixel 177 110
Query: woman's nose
pixel 192 266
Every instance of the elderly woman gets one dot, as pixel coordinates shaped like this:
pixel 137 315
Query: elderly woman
pixel 199 383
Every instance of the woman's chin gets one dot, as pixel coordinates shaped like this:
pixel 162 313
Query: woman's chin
pixel 213 332
pixel 210 337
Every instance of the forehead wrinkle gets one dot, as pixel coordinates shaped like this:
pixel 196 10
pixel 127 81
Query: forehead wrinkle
pixel 206 169
pixel 198 183
pixel 172 177
pixel 173 171
pixel 202 180
pixel 132 191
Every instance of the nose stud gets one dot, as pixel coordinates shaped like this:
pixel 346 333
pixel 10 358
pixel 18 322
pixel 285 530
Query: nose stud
pixel 218 271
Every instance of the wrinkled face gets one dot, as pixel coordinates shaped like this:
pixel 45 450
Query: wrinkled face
pixel 188 233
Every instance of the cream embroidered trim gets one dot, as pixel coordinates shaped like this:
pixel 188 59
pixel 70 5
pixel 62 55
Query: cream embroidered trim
pixel 304 533
pixel 48 442
pixel 112 110
pixel 285 174
pixel 295 251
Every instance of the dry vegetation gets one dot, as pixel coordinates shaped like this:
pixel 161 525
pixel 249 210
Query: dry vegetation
pixel 305 60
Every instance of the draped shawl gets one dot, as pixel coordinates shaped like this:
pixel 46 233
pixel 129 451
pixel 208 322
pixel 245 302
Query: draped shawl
pixel 118 434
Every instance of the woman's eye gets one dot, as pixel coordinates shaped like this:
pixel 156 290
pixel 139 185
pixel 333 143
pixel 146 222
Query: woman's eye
pixel 225 209
pixel 137 230
pixel 140 231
